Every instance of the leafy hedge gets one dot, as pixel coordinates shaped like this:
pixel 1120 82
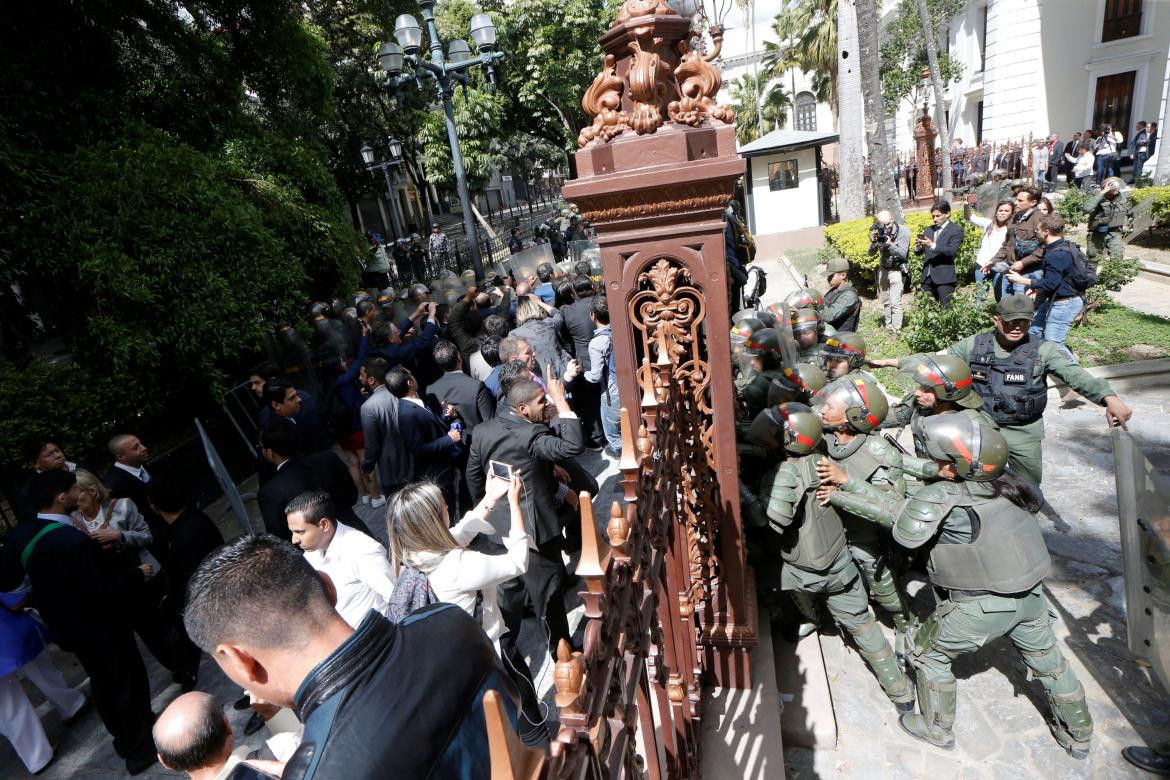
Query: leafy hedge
pixel 1161 201
pixel 851 241
pixel 929 327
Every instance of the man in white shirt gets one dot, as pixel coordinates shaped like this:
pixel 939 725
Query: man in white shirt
pixel 356 564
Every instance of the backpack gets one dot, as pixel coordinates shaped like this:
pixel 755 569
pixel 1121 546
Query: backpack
pixel 1082 276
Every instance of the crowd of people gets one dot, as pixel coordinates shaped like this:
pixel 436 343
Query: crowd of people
pixel 466 421
pixel 839 517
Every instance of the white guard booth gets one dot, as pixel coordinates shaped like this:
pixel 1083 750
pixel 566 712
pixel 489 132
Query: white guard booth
pixel 783 184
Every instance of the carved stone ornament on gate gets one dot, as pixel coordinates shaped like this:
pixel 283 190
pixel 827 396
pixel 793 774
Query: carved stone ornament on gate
pixel 652 75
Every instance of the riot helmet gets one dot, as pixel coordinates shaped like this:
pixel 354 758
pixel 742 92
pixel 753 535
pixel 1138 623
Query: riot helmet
pixel 806 326
pixel 806 298
pixel 854 400
pixel 849 347
pixel 947 376
pixel 796 383
pixel 319 311
pixel 358 297
pixel 793 427
pixel 977 451
pixel 763 341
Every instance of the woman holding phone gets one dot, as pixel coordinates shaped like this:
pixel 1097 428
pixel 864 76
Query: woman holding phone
pixel 421 536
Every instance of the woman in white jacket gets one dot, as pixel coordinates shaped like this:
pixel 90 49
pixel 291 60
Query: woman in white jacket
pixel 1083 165
pixel 421 536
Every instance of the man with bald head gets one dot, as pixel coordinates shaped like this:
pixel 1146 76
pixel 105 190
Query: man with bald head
pixel 193 735
pixel 129 478
pixel 891 242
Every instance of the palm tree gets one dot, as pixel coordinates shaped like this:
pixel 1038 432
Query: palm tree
pixel 759 109
pixel 808 29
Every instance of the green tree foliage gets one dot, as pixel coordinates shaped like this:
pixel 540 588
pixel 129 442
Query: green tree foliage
pixel 929 327
pixel 903 53
pixel 811 26
pixel 752 100
pixel 166 192
pixel 553 56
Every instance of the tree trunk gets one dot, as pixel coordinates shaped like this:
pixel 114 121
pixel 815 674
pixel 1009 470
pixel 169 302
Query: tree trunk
pixel 851 159
pixel 881 175
pixel 940 116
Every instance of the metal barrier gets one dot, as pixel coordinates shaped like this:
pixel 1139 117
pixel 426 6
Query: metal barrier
pixel 1143 509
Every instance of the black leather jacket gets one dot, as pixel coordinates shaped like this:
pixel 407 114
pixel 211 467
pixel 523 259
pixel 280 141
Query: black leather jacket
pixel 402 701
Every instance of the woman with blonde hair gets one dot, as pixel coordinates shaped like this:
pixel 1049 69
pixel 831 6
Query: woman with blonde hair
pixel 540 325
pixel 119 527
pixel 421 537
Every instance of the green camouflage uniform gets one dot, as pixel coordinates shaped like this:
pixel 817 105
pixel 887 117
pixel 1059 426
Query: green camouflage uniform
pixel 1025 441
pixel 1107 220
pixel 1001 593
pixel 870 458
pixel 815 560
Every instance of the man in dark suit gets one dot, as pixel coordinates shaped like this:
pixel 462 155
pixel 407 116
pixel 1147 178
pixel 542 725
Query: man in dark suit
pixel 472 401
pixel 129 478
pixel 939 244
pixel 578 331
pixel 520 438
pixel 192 538
pixel 434 449
pixel 81 593
pixel 296 474
pixel 380 429
pixel 283 401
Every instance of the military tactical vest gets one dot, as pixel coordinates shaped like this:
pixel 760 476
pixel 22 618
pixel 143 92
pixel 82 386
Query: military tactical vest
pixel 849 323
pixel 1012 395
pixel 1006 556
pixel 817 537
pixel 860 461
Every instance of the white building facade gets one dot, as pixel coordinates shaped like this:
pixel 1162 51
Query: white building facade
pixel 1053 66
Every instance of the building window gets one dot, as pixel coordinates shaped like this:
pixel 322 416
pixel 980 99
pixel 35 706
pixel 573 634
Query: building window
pixel 979 123
pixel 806 112
pixel 1113 102
pixel 783 175
pixel 1123 19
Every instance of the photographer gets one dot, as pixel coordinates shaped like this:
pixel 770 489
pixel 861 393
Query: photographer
pixel 891 242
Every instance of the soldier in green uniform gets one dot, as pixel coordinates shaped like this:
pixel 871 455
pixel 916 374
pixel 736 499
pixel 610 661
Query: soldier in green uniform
pixel 851 408
pixel 810 333
pixel 1108 211
pixel 763 348
pixel 798 383
pixel 989 557
pixel 812 539
pixel 842 307
pixel 844 354
pixel 1009 371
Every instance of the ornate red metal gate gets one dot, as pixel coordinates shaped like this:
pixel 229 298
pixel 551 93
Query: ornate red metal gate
pixel 669 601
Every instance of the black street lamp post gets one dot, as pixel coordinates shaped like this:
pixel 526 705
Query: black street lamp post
pixel 446 70
pixel 394 148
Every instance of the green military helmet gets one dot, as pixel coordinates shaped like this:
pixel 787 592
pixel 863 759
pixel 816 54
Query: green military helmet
pixel 850 346
pixel 766 317
pixel 804 319
pixel 742 331
pixel 765 341
pixel 796 383
pixel 806 298
pixel 947 376
pixel 792 426
pixel 977 450
pixel 861 403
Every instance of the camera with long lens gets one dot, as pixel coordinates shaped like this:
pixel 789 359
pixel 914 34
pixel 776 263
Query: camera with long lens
pixel 879 234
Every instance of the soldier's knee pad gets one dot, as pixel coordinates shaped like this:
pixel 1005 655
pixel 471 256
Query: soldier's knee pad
pixel 1048 665
pixel 1071 713
pixel 868 636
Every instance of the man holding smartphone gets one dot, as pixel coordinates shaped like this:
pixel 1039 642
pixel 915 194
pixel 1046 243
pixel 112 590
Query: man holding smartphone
pixel 938 245
pixel 520 438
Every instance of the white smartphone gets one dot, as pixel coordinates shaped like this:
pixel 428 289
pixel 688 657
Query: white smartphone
pixel 501 470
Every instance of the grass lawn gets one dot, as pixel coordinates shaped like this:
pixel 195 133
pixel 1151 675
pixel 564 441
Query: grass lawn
pixel 1113 334
pixel 804 261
